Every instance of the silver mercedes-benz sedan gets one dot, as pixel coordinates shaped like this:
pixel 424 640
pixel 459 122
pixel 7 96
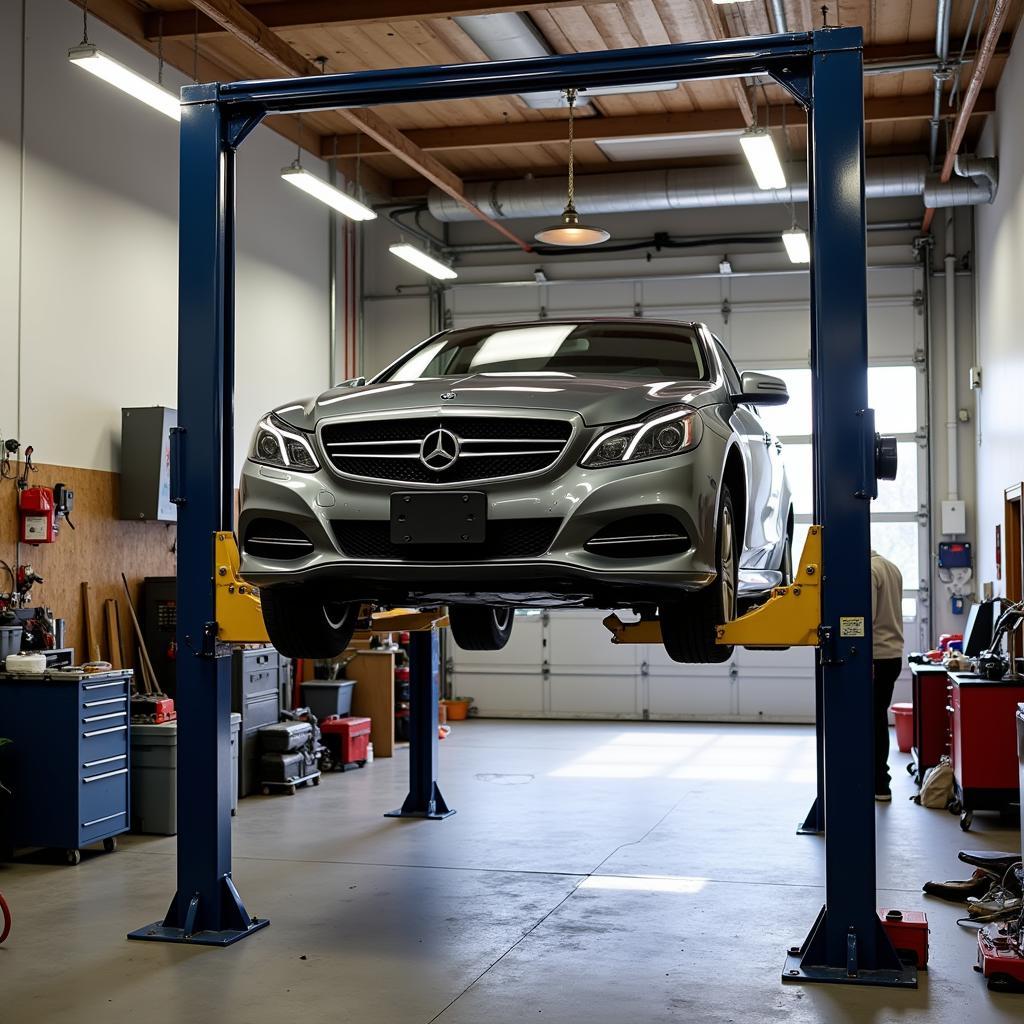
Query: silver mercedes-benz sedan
pixel 601 463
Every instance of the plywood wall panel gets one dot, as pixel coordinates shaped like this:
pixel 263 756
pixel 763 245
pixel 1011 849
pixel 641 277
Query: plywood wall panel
pixel 97 551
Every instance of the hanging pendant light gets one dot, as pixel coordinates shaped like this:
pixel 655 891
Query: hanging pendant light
pixel 569 230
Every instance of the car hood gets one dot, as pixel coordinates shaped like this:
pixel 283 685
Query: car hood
pixel 597 400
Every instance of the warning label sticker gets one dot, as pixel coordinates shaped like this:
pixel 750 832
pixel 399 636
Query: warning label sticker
pixel 851 625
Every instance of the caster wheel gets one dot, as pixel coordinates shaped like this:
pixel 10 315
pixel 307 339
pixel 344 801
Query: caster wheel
pixel 911 768
pixel 73 857
pixel 316 781
pixel 234 812
pixel 291 790
pixel 966 819
pixel 266 791
pixel 362 764
pixel 110 844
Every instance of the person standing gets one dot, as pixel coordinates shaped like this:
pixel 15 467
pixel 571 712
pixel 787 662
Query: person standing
pixel 887 658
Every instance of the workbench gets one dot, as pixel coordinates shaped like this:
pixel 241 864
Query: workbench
pixel 69 758
pixel 931 720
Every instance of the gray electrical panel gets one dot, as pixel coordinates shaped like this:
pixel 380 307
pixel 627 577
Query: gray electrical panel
pixel 146 463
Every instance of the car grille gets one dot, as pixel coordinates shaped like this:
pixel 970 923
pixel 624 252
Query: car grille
pixel 506 538
pixel 489 447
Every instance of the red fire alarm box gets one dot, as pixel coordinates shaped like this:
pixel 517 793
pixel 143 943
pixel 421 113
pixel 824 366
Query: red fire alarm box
pixel 37 511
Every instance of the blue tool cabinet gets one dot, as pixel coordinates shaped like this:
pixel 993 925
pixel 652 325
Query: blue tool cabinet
pixel 70 767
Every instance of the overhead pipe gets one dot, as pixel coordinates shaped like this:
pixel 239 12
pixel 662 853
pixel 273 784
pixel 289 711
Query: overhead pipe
pixel 779 14
pixel 981 65
pixel 692 188
pixel 941 75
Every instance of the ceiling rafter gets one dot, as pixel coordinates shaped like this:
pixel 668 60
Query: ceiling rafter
pixel 715 23
pixel 688 122
pixel 305 13
pixel 244 26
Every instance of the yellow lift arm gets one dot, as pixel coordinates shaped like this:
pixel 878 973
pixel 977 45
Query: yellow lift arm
pixel 240 616
pixel 789 618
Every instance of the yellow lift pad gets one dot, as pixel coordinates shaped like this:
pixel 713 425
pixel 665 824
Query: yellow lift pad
pixel 789 618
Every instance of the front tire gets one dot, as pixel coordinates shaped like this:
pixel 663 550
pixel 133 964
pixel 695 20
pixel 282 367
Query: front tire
pixel 304 622
pixel 689 625
pixel 480 628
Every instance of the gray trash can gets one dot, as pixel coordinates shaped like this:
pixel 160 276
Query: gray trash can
pixel 154 776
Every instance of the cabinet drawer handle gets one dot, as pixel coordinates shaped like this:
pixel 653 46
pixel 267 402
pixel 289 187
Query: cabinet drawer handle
pixel 102 686
pixel 97 821
pixel 105 760
pixel 100 703
pixel 103 732
pixel 952 711
pixel 105 775
pixel 101 718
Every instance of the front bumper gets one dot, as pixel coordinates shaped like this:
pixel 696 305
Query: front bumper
pixel 578 503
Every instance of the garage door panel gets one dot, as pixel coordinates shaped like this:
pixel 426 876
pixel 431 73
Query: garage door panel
pixel 523 652
pixel 776 695
pixel 591 694
pixel 497 693
pixel 578 640
pixel 691 691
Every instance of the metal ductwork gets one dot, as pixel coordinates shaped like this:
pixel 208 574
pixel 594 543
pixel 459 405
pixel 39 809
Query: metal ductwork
pixel 983 171
pixel 690 188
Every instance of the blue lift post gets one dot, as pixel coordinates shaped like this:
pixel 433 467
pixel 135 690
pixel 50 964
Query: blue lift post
pixel 424 799
pixel 824 71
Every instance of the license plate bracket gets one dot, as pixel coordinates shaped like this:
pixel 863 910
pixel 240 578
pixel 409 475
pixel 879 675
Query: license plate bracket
pixel 438 517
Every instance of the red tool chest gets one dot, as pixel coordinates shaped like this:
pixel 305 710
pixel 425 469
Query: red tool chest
pixel 983 715
pixel 908 932
pixel 346 740
pixel 931 722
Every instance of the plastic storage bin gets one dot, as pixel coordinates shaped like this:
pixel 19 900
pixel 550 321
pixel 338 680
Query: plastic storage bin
pixel 154 764
pixel 328 697
pixel 903 715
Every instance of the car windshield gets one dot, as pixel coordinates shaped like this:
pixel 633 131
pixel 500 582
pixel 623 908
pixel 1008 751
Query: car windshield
pixel 560 349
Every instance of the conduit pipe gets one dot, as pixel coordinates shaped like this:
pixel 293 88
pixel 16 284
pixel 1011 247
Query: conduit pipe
pixel 695 187
pixel 953 484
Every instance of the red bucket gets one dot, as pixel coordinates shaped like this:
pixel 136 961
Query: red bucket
pixel 904 717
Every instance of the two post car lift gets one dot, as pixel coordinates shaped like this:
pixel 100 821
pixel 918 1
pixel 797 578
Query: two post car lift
pixel 824 72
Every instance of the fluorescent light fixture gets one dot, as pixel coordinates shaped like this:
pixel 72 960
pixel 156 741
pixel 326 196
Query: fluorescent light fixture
pixel 797 246
pixel 418 258
pixel 298 176
pixel 97 63
pixel 625 90
pixel 759 149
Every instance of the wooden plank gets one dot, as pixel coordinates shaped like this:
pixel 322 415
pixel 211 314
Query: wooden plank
pixel 299 13
pixel 92 640
pixel 715 26
pixel 373 696
pixel 113 620
pixel 243 25
pixel 532 133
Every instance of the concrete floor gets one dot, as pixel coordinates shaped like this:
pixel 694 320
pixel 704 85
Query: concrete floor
pixel 535 902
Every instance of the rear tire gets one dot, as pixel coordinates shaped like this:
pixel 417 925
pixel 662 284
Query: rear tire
pixel 689 624
pixel 480 628
pixel 304 622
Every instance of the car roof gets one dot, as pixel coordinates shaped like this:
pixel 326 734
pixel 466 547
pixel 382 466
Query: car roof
pixel 581 320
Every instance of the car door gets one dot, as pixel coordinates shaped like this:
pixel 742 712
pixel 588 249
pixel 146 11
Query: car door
pixel 762 511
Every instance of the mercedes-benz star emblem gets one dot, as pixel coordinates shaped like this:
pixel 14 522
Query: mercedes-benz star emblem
pixel 439 450
pixel 448 396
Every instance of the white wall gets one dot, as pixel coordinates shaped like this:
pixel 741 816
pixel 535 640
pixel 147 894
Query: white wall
pixel 90 252
pixel 1000 254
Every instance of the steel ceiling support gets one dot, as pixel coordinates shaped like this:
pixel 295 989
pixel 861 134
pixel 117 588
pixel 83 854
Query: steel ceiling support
pixel 824 70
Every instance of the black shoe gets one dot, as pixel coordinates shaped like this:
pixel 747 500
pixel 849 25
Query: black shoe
pixel 884 796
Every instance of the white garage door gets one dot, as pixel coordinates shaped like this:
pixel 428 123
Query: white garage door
pixel 562 664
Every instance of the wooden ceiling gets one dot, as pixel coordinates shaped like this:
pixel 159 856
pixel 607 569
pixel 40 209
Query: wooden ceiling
pixel 503 137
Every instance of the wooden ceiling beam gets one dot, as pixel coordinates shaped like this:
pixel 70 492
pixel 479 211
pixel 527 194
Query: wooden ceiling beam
pixel 714 22
pixel 590 129
pixel 244 26
pixel 284 14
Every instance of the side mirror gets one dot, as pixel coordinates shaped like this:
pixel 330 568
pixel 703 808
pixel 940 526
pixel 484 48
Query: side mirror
pixel 761 389
pixel 352 382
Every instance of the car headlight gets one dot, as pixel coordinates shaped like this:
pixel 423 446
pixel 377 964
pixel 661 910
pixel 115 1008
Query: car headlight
pixel 274 444
pixel 665 433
